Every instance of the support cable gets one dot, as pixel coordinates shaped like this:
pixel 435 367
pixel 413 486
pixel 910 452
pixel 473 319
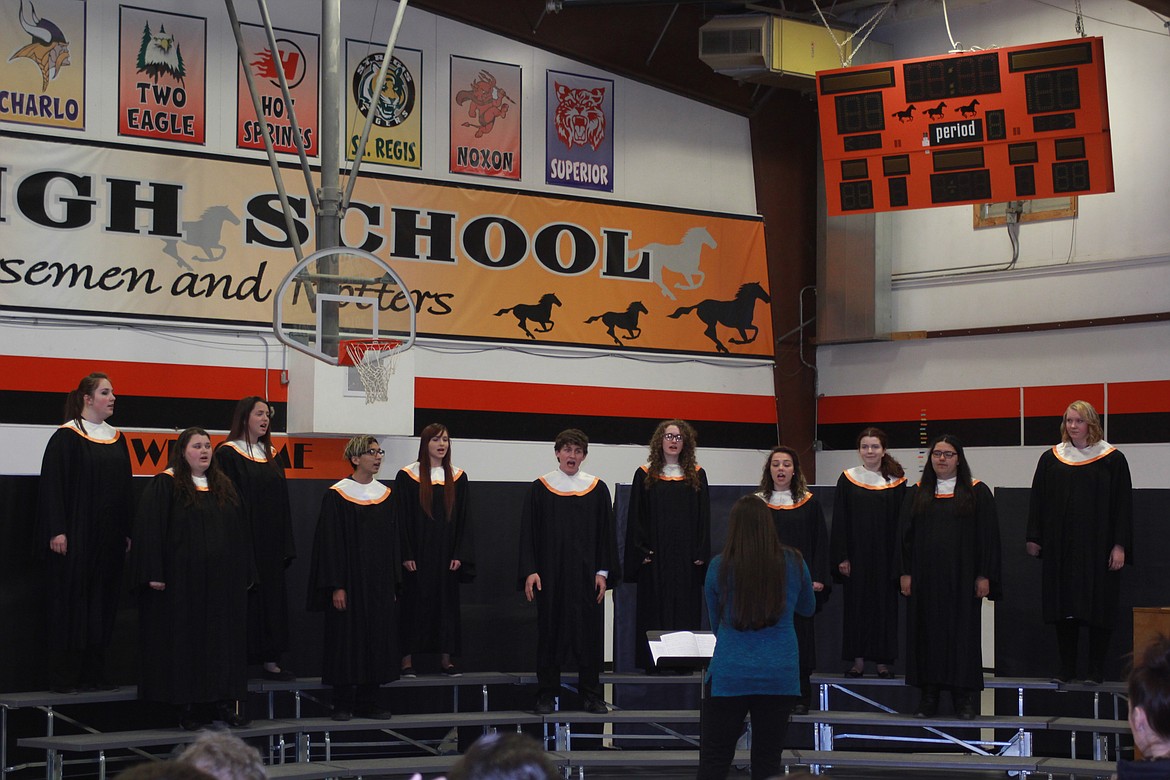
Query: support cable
pixel 376 98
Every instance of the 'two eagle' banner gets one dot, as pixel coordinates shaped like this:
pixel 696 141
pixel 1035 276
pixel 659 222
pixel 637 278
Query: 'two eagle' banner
pixel 109 230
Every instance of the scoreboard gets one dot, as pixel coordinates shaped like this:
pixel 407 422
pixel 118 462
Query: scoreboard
pixel 1003 124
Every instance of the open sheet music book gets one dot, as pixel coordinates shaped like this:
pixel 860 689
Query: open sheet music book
pixel 682 645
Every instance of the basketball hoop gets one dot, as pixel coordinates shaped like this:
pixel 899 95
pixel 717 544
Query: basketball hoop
pixel 374 360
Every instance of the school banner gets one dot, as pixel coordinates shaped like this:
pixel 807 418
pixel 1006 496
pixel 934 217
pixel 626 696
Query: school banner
pixel 42 63
pixel 162 75
pixel 297 58
pixel 579 131
pixel 396 135
pixel 485 118
pixel 91 230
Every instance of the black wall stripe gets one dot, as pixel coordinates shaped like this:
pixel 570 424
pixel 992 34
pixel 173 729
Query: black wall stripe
pixel 992 432
pixel 515 426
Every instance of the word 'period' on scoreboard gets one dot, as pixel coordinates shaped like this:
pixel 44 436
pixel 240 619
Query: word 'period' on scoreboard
pixel 1005 124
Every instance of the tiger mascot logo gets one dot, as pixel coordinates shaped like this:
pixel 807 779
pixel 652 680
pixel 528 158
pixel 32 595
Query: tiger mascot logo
pixel 393 101
pixel 579 119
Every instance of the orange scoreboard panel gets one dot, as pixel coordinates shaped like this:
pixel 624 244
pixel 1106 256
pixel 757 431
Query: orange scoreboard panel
pixel 1004 124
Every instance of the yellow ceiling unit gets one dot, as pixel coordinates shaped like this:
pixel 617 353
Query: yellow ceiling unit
pixel 768 49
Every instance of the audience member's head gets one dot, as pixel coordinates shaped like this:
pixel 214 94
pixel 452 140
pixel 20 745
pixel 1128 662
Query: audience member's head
pixel 163 770
pixel 1149 700
pixel 505 755
pixel 224 756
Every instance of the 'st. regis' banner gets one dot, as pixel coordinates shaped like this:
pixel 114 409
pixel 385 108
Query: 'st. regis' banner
pixel 97 230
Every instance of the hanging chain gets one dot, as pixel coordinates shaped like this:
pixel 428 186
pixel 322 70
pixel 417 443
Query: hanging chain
pixel 1080 26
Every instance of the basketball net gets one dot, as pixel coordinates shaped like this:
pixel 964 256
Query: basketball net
pixel 375 360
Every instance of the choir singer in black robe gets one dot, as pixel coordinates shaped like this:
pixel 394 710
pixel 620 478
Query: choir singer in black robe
pixel 191 565
pixel 1080 525
pixel 249 460
pixel 84 510
pixel 668 536
pixel 864 545
pixel 949 563
pixel 800 524
pixel 568 559
pixel 353 579
pixel 432 496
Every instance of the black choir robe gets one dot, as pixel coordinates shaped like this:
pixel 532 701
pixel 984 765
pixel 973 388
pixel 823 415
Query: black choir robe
pixel 865 532
pixel 944 552
pixel 801 525
pixel 1077 513
pixel 263 495
pixel 567 538
pixel 430 596
pixel 193 639
pixel 356 548
pixel 84 492
pixel 672 519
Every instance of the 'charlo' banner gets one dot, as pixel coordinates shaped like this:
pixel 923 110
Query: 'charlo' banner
pixel 90 230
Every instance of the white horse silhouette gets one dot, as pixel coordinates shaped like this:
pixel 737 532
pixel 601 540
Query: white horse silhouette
pixel 682 258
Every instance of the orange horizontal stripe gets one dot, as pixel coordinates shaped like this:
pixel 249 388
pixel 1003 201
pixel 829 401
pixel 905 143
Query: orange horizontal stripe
pixel 908 407
pixel 1053 400
pixel 1139 397
pixel 60 375
pixel 531 398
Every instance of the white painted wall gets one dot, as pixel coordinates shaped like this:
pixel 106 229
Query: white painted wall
pixel 1113 260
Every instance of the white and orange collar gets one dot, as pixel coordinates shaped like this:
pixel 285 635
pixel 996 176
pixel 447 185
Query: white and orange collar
pixel 102 433
pixel 782 499
pixel 1067 453
pixel 863 477
pixel 577 485
pixel 372 493
pixel 438 477
pixel 255 451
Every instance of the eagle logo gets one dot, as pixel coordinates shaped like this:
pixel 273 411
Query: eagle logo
pixel 49 48
pixel 160 55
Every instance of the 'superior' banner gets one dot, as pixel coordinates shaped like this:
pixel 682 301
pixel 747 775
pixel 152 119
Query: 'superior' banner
pixel 91 230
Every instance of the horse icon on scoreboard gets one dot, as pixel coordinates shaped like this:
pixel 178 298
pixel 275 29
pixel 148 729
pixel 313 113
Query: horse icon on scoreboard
pixel 936 112
pixel 905 116
pixel 967 110
pixel 540 313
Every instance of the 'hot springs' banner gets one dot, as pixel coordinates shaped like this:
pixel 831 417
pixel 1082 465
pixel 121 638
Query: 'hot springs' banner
pixel 91 230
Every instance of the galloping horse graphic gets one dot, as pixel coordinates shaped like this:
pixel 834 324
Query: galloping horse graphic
pixel 737 313
pixel 682 258
pixel 203 233
pixel 625 320
pixel 540 313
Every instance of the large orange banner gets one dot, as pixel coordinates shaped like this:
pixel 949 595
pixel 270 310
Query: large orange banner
pixel 95 230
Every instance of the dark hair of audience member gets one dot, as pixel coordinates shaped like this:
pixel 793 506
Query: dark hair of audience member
pixel 224 756
pixel 505 755
pixel 163 770
pixel 1149 686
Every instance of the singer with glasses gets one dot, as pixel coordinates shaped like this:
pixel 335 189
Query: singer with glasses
pixel 668 536
pixel 949 563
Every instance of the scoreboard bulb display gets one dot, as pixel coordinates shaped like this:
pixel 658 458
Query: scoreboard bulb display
pixel 1016 123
